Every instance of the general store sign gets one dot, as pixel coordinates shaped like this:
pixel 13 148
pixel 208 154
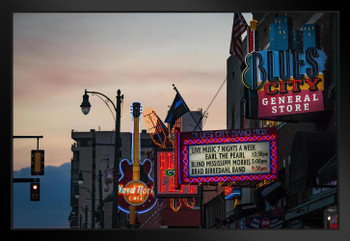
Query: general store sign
pixel 227 155
pixel 286 81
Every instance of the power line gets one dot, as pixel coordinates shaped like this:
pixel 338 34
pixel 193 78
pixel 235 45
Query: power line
pixel 215 96
pixel 211 102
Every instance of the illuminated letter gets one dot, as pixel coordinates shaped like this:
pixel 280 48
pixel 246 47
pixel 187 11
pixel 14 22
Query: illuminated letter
pixel 297 63
pixel 284 65
pixel 296 85
pixel 268 90
pixel 313 85
pixel 265 101
pixel 249 75
pixel 270 76
pixel 310 54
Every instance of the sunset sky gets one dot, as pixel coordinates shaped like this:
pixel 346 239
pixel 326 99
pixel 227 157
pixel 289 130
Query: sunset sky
pixel 56 56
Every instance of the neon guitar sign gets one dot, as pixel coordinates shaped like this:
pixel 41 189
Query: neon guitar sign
pixel 135 196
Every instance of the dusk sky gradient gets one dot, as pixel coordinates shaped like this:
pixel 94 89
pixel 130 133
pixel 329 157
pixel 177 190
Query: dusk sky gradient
pixel 56 56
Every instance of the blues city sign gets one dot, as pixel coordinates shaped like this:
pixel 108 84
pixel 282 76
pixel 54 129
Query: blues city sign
pixel 287 81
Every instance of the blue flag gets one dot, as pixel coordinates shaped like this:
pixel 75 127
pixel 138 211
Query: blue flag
pixel 177 109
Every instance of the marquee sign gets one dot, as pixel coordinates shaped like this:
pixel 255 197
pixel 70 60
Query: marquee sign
pixel 227 155
pixel 287 81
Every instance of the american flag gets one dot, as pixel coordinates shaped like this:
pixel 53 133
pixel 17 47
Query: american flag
pixel 238 28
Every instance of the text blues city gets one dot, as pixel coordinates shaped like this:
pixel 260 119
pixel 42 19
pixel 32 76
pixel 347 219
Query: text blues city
pixel 286 81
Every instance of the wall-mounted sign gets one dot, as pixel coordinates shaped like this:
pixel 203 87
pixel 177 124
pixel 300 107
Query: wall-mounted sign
pixel 288 78
pixel 232 192
pixel 135 188
pixel 138 193
pixel 287 82
pixel 227 155
pixel 135 192
pixel 166 178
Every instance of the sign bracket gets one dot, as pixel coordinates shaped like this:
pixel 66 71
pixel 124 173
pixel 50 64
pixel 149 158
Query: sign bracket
pixel 37 139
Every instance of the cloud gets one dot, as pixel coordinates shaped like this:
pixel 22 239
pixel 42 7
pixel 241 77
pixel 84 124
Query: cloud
pixel 53 209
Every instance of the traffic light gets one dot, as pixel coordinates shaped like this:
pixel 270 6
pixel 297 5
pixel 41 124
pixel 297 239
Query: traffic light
pixel 37 162
pixel 35 191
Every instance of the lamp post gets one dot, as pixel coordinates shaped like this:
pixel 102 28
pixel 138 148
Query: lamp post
pixel 99 179
pixel 85 108
pixel 86 217
pixel 81 217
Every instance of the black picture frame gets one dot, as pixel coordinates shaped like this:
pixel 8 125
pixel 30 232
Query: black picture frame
pixel 342 7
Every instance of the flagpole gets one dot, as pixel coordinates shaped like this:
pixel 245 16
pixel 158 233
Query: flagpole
pixel 187 108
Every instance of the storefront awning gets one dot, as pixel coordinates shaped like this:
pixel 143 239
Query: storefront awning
pixel 310 152
pixel 328 172
pixel 273 192
pixel 317 201
pixel 243 210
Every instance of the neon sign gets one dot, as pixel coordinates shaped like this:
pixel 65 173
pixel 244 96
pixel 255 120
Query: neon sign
pixel 232 192
pixel 135 196
pixel 286 82
pixel 227 155
pixel 135 192
pixel 156 128
pixel 288 78
pixel 166 178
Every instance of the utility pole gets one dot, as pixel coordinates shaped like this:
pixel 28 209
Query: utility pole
pixel 37 168
pixel 93 179
pixel 86 216
pixel 116 162
pixel 102 223
pixel 85 108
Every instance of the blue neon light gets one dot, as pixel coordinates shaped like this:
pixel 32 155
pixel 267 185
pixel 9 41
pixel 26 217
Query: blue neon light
pixel 235 193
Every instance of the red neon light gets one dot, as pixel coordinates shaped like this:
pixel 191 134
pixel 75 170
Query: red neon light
pixel 175 205
pixel 167 178
pixel 228 190
pixel 189 202
pixel 162 169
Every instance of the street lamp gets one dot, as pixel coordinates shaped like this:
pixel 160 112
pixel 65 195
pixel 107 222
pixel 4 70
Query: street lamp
pixel 80 178
pixel 85 105
pixel 99 179
pixel 93 214
pixel 85 108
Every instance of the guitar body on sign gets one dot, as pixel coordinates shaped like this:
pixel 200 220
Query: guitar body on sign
pixel 135 188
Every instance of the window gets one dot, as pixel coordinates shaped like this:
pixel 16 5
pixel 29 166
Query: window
pixel 83 142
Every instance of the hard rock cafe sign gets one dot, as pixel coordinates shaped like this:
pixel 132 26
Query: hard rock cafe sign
pixel 135 192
